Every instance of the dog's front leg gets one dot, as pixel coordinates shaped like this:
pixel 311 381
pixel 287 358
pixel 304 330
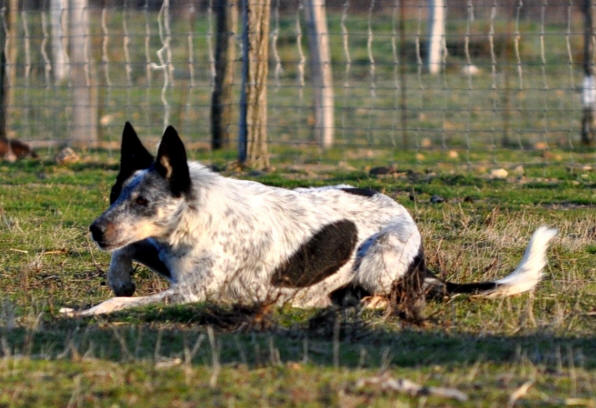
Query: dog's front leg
pixel 119 274
pixel 170 296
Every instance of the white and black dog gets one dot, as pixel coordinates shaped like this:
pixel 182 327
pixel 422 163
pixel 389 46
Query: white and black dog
pixel 234 241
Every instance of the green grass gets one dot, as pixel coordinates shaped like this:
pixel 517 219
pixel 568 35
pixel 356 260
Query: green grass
pixel 184 355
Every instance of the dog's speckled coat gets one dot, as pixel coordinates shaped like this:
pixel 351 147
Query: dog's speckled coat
pixel 227 240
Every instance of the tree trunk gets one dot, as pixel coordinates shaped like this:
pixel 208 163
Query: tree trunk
pixel 403 100
pixel 83 130
pixel 252 138
pixel 3 137
pixel 320 67
pixel 8 59
pixel 226 12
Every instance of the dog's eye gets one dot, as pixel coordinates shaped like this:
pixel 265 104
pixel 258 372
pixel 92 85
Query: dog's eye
pixel 142 201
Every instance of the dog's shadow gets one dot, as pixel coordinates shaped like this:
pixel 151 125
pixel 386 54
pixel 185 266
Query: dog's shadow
pixel 225 318
pixel 251 336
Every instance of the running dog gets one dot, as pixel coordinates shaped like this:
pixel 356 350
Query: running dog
pixel 221 239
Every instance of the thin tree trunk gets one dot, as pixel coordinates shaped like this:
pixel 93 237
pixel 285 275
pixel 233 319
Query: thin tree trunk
pixel 83 130
pixel 9 66
pixel 225 55
pixel 3 102
pixel 252 138
pixel 320 67
pixel 506 95
pixel 403 101
pixel 589 86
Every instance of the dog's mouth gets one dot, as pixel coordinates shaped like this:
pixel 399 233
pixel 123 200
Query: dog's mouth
pixel 109 246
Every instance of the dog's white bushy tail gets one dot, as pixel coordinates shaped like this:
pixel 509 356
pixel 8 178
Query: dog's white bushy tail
pixel 524 278
pixel 529 271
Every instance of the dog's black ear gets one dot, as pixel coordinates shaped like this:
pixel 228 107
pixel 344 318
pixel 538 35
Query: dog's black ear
pixel 171 162
pixel 133 156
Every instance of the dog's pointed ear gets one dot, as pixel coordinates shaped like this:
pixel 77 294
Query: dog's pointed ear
pixel 132 150
pixel 171 162
pixel 133 156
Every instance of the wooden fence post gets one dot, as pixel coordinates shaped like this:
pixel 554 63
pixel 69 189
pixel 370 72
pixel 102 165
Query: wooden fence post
pixel 252 133
pixel 436 24
pixel 320 68
pixel 58 15
pixel 83 130
pixel 226 12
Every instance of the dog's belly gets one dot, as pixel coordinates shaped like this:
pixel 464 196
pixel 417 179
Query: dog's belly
pixel 316 295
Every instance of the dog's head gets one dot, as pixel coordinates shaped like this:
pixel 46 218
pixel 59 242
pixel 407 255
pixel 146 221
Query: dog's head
pixel 148 196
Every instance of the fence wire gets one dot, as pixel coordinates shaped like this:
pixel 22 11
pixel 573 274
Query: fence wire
pixel 509 72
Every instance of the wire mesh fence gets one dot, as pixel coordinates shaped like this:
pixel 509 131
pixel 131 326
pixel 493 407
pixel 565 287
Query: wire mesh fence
pixel 508 73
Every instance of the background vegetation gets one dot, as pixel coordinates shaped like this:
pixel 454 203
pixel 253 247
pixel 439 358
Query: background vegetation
pixel 524 88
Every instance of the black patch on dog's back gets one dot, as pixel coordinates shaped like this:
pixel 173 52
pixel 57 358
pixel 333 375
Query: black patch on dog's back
pixel 320 257
pixel 365 192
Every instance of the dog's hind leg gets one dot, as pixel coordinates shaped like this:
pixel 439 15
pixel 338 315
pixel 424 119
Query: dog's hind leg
pixel 390 264
pixel 119 275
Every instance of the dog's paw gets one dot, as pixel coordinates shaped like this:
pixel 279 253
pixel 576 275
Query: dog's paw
pixel 67 312
pixel 125 289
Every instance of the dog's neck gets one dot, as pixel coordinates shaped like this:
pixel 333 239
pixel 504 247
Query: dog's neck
pixel 195 219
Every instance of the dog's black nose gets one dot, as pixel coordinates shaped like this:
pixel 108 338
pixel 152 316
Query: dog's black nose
pixel 96 232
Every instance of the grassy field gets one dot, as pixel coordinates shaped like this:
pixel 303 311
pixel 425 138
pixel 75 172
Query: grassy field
pixel 532 350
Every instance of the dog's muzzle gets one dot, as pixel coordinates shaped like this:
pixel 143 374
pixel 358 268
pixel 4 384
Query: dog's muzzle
pixel 104 234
